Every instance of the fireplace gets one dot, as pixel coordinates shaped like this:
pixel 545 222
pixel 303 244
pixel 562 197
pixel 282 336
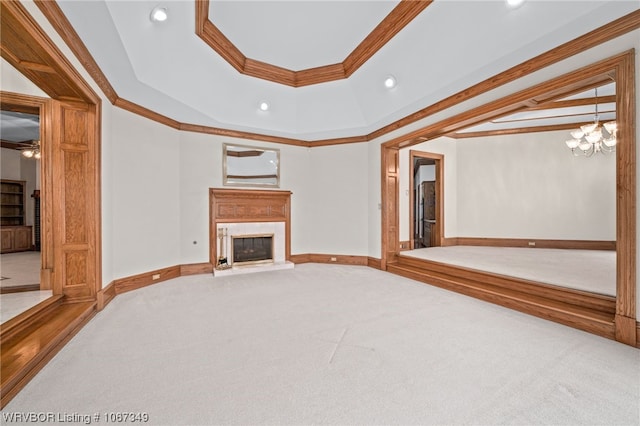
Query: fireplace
pixel 252 249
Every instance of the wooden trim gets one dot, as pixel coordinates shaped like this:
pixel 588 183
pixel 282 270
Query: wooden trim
pixel 448 242
pixel 626 199
pixel 620 67
pixel 24 320
pixel 395 21
pixel 135 282
pixel 147 113
pixel 536 243
pixel 25 354
pixel 300 258
pixel 373 262
pixel 599 72
pixel 637 334
pixel 340 259
pixel 228 205
pixel 598 36
pixel 519 130
pixel 63 27
pixel 19 288
pixel 585 311
pixel 591 39
pixel 196 268
pixel 22 39
pixel 405 245
pixel 106 295
pixel 242 135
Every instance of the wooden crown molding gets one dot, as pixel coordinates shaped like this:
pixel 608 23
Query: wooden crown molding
pixel 614 29
pixel 28 49
pixel 395 21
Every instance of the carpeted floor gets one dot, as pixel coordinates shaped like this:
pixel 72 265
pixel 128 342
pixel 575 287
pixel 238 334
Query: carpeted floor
pixel 332 344
pixel 588 270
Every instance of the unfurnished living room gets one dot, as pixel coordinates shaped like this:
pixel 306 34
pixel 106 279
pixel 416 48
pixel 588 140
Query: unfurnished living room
pixel 319 212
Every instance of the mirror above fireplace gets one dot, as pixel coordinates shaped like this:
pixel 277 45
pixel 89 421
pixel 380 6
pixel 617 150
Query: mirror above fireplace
pixel 250 166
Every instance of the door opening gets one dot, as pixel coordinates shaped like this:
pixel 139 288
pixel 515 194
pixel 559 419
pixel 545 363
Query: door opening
pixel 426 212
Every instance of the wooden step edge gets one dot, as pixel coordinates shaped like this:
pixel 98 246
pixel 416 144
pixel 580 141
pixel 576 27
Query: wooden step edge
pixel 576 297
pixel 535 300
pixel 11 384
pixel 22 321
pixel 595 322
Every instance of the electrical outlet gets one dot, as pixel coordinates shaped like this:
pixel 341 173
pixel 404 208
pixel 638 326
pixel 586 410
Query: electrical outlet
pixel 532 243
pixel 333 259
pixel 155 277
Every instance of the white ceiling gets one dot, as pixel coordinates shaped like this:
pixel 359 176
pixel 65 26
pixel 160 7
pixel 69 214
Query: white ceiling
pixel 450 46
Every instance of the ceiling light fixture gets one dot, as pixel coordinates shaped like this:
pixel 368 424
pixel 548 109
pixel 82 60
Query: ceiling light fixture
pixel 159 14
pixel 32 151
pixel 592 138
pixel 264 106
pixel 514 3
pixel 390 82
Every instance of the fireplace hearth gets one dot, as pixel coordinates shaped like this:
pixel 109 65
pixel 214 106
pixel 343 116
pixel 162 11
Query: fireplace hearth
pixel 252 249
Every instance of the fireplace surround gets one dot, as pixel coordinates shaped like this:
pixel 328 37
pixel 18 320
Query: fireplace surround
pixel 249 213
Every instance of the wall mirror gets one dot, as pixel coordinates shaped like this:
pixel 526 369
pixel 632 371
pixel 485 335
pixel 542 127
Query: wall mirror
pixel 250 166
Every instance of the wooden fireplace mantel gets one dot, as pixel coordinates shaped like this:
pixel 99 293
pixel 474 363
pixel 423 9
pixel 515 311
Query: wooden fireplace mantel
pixel 247 205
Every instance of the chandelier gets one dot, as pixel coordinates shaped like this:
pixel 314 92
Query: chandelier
pixel 593 137
pixel 32 151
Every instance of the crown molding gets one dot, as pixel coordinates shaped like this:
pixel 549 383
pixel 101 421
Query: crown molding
pixel 600 35
pixel 395 21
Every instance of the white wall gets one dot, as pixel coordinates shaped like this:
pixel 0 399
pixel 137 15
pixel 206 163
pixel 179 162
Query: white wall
pixel 145 194
pixel 531 186
pixel 447 147
pixel 338 199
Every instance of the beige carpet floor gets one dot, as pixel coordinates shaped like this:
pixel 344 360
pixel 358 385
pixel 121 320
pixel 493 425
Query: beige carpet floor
pixel 588 270
pixel 331 344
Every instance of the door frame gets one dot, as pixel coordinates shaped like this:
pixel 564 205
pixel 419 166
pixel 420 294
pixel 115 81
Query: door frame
pixel 19 102
pixel 439 163
pixel 70 131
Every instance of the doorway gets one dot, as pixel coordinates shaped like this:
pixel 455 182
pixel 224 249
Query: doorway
pixel 426 208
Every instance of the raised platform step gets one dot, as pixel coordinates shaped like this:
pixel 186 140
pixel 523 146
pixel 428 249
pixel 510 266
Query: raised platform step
pixel 29 349
pixel 589 312
pixel 18 323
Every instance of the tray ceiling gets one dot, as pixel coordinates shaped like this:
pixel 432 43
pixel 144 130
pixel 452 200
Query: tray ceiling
pixel 449 46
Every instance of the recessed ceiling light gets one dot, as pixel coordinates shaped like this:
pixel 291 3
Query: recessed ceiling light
pixel 264 106
pixel 159 14
pixel 390 82
pixel 514 3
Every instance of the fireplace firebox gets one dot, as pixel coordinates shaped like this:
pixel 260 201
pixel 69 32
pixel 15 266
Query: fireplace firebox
pixel 252 249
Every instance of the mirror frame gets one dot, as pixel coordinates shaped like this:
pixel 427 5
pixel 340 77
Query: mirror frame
pixel 225 178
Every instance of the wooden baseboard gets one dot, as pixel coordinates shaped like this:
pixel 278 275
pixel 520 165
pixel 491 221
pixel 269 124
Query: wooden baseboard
pixel 19 288
pixel 532 243
pixel 373 262
pixel 196 268
pixel 106 295
pixel 626 330
pixel 582 310
pixel 637 334
pixel 147 278
pixel 299 258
